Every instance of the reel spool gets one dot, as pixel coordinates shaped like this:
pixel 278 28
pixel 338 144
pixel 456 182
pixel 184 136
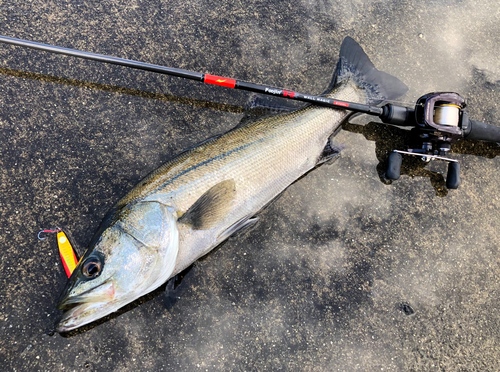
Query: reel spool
pixel 442 112
pixel 447 114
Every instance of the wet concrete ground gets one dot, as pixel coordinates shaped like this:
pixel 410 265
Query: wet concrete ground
pixel 342 273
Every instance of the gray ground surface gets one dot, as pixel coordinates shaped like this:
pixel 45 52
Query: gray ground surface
pixel 327 278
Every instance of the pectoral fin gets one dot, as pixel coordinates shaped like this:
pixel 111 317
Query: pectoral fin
pixel 211 207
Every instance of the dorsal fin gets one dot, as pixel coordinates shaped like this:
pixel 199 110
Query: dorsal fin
pixel 260 107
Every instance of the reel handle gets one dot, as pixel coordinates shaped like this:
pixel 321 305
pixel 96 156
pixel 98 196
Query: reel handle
pixel 482 132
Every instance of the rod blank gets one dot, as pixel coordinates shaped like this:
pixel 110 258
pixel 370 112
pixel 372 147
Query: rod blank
pixel 206 78
pixel 102 58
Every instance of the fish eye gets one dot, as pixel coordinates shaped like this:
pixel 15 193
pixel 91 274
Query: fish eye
pixel 91 267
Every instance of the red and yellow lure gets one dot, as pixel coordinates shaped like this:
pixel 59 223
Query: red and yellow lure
pixel 66 251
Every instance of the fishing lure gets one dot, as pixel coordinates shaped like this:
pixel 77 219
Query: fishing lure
pixel 66 251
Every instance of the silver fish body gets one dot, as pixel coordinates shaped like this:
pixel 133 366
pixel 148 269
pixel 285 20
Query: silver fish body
pixel 260 159
pixel 198 199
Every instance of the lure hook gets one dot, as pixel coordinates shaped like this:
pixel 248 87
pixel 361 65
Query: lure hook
pixel 51 230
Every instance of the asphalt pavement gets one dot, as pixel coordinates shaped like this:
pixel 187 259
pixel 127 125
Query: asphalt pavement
pixel 343 272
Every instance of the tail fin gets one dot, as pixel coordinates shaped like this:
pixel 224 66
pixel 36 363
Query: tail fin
pixel 354 64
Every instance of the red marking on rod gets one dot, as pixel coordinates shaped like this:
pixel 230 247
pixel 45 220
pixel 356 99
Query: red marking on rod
pixel 219 80
pixel 288 94
pixel 338 103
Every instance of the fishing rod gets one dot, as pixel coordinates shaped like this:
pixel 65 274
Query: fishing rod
pixel 438 119
pixel 197 76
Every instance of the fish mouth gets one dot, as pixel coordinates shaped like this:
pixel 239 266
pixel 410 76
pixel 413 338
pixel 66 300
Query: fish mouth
pixel 103 292
pixel 87 306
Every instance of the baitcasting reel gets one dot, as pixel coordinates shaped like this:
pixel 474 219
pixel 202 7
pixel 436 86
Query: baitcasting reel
pixel 439 120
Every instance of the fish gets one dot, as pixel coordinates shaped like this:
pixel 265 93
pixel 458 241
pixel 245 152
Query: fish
pixel 199 198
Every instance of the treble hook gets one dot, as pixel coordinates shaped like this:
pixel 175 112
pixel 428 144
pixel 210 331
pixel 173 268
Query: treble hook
pixel 52 230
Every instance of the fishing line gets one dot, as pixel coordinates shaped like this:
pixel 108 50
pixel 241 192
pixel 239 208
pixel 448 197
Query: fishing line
pixel 399 102
pixel 123 90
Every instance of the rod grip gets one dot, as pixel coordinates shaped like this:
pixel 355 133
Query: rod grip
pixel 482 132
